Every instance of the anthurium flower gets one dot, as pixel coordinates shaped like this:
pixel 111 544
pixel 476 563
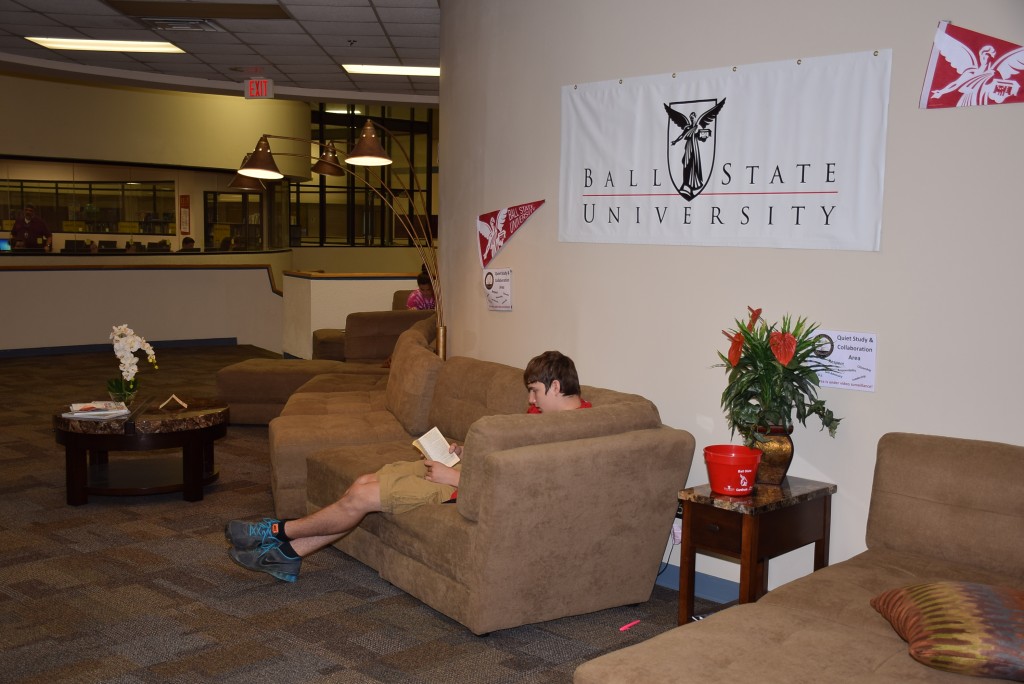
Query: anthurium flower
pixel 755 315
pixel 736 348
pixel 783 346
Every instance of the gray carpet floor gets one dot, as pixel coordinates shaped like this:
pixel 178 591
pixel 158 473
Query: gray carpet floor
pixel 140 589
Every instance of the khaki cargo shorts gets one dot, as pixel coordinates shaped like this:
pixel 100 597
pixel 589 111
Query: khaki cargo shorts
pixel 402 487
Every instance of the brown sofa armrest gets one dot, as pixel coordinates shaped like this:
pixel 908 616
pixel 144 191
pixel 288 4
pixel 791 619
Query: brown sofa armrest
pixel 591 472
pixel 541 508
pixel 329 343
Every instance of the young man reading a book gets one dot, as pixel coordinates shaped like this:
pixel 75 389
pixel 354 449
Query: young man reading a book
pixel 277 547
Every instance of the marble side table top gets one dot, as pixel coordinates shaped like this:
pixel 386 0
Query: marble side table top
pixel 147 418
pixel 764 498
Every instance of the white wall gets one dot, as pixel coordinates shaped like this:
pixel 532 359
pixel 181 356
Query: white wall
pixel 940 294
pixel 69 307
pixel 313 301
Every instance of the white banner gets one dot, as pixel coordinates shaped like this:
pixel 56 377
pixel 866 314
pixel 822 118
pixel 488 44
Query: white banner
pixel 781 154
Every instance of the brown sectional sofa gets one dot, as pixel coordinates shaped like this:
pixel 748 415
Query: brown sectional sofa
pixel 257 389
pixel 942 509
pixel 557 514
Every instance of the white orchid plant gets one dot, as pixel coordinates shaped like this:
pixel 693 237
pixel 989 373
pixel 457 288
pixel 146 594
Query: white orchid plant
pixel 126 343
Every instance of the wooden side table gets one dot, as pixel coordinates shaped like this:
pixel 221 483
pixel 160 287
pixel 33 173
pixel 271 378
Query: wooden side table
pixel 770 522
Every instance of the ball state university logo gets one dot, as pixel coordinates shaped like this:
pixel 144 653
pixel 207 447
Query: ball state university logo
pixel 971 69
pixel 977 81
pixel 691 122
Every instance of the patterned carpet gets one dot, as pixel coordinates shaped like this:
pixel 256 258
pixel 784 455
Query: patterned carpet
pixel 140 589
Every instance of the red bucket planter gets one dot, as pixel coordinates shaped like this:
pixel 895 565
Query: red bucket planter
pixel 732 469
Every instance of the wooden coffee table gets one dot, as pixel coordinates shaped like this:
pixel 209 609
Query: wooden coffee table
pixel 87 444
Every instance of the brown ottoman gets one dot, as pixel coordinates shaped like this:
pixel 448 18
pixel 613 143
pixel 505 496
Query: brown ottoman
pixel 256 389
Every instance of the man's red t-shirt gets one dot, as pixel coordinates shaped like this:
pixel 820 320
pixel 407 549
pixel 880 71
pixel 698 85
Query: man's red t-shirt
pixel 534 409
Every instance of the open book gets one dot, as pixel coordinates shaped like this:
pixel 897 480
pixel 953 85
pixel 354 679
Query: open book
pixel 434 446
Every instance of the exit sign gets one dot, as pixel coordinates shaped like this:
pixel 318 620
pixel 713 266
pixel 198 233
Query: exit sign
pixel 258 87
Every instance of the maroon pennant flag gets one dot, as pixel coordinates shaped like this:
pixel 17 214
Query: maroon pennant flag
pixel 969 69
pixel 496 227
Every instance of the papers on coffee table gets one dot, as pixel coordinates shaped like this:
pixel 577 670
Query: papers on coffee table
pixel 98 410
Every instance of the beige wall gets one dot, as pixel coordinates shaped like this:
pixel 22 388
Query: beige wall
pixel 73 121
pixel 356 259
pixel 940 295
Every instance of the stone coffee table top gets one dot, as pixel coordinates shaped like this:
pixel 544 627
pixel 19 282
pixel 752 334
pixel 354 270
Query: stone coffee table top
pixel 148 418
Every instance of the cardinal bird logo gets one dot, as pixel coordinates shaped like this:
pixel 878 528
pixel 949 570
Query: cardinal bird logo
pixel 696 130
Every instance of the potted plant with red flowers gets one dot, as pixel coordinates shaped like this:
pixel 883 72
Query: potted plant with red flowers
pixel 773 376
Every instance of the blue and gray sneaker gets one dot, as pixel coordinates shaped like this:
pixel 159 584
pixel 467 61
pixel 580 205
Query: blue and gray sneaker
pixel 248 535
pixel 269 558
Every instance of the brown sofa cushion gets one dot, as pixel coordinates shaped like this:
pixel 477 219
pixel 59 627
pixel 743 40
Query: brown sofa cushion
pixel 328 403
pixel 414 370
pixel 962 627
pixel 343 382
pixel 468 389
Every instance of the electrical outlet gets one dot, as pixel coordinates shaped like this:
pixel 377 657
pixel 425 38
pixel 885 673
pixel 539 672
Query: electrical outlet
pixel 677 531
pixel 679 510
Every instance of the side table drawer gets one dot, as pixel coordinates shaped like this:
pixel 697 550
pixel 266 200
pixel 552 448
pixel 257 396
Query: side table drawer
pixel 716 529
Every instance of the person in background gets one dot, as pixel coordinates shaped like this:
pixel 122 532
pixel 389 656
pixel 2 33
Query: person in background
pixel 277 547
pixel 422 297
pixel 188 245
pixel 30 231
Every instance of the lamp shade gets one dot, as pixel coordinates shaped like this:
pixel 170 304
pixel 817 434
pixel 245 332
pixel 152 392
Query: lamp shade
pixel 328 163
pixel 240 182
pixel 261 162
pixel 368 150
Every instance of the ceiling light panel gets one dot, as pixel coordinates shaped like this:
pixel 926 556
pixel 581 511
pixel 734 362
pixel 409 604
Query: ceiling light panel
pixel 104 45
pixel 254 35
pixel 391 70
